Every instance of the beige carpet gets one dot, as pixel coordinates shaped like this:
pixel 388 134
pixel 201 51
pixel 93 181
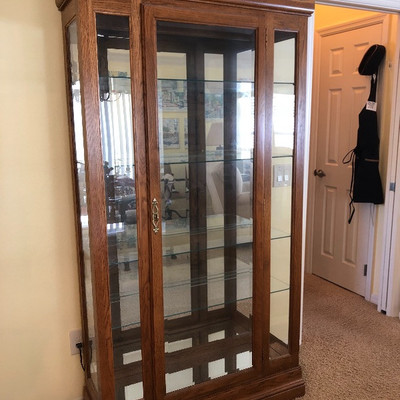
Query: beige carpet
pixel 349 350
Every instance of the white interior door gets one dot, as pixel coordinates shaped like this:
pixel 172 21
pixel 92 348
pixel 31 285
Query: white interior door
pixel 340 250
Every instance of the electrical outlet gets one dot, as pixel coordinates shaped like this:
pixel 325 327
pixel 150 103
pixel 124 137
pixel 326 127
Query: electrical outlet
pixel 282 175
pixel 74 338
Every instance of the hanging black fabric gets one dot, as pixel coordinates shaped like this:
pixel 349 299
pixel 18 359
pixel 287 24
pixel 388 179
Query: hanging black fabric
pixel 366 186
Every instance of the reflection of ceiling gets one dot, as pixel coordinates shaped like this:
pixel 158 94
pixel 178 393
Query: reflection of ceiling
pixel 165 59
pixel 118 60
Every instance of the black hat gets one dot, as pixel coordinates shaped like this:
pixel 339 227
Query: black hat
pixel 372 58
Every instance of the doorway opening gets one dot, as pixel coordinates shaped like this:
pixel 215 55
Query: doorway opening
pixel 350 255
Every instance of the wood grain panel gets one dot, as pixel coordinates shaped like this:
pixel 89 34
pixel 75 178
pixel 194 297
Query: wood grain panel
pixel 302 6
pixel 153 166
pixel 95 194
pixel 61 4
pixel 142 202
pixel 295 6
pixel 117 7
pixel 261 205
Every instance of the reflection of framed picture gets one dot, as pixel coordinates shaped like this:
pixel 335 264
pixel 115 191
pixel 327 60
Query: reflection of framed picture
pixel 185 133
pixel 172 95
pixel 214 105
pixel 170 127
pixel 214 99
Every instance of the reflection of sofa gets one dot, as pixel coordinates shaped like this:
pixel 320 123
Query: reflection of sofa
pixel 127 209
pixel 215 185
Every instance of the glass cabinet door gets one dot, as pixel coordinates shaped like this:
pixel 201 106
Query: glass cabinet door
pixel 113 49
pixel 205 85
pixel 283 142
pixel 80 176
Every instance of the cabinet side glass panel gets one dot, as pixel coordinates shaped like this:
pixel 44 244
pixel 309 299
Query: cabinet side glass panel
pixel 117 135
pixel 281 193
pixel 81 182
pixel 206 140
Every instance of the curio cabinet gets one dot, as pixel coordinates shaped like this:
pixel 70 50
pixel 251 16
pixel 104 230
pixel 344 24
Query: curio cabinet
pixel 187 130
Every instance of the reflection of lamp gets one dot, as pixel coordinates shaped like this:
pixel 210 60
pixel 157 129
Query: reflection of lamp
pixel 215 135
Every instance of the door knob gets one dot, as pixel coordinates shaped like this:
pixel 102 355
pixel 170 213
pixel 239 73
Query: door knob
pixel 319 172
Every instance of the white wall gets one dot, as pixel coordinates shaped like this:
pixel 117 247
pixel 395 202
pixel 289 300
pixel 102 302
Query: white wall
pixel 382 5
pixel 39 296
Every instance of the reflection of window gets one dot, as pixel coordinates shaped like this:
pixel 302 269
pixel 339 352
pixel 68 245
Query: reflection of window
pixel 283 120
pixel 117 136
pixel 245 117
pixel 80 156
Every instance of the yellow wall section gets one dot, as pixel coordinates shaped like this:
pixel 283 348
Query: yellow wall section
pixel 328 15
pixel 39 295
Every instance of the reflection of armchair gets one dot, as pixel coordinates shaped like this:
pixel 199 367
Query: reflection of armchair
pixel 127 209
pixel 169 188
pixel 215 185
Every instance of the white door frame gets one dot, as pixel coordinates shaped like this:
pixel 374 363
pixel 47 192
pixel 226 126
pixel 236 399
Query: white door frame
pixel 389 300
pixel 389 297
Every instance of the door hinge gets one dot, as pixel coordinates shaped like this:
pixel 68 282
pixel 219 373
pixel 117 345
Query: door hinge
pixel 365 269
pixel 392 186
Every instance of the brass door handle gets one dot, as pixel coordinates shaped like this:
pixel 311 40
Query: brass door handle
pixel 319 173
pixel 155 215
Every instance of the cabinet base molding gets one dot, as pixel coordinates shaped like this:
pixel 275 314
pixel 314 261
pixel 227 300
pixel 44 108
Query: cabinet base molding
pixel 286 385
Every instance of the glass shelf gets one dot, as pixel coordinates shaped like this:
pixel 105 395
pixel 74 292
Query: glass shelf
pixel 128 255
pixel 126 77
pixel 277 286
pixel 277 234
pixel 127 326
pixel 192 283
pixel 214 222
pixel 210 308
pixel 210 156
pixel 243 271
pixel 205 280
pixel 218 156
pixel 277 156
pixel 182 250
pixel 219 81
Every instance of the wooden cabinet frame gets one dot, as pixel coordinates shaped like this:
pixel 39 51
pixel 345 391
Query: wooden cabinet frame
pixel 269 378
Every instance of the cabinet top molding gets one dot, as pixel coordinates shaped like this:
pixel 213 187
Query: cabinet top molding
pixel 61 3
pixel 304 6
